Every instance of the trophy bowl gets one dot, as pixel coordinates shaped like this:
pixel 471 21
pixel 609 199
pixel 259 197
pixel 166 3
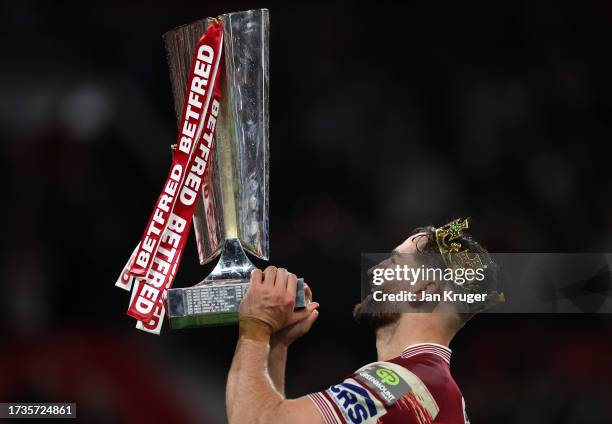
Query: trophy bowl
pixel 231 215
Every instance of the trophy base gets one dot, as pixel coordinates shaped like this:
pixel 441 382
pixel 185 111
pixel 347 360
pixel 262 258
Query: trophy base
pixel 213 303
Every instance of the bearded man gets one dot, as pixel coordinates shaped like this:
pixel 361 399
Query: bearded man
pixel 410 382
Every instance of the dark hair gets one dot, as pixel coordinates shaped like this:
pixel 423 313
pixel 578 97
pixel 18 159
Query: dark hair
pixel 429 255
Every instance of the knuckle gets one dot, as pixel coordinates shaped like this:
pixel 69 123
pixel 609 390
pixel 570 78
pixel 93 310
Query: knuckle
pixel 281 273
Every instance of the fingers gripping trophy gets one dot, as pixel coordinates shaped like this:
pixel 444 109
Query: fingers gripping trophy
pixel 231 211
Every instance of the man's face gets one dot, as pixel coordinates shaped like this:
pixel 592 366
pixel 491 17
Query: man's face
pixel 405 254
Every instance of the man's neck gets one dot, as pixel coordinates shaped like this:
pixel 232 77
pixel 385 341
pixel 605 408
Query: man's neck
pixel 393 339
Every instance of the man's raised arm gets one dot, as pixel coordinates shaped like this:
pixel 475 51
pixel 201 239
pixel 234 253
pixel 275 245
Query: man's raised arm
pixel 282 339
pixel 251 396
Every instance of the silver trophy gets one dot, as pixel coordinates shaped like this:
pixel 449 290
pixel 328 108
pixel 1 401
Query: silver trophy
pixel 232 212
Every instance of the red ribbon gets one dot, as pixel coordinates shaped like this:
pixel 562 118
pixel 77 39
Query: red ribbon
pixel 158 256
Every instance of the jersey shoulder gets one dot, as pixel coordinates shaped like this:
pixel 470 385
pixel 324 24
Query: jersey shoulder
pixel 416 387
pixel 386 391
pixel 434 373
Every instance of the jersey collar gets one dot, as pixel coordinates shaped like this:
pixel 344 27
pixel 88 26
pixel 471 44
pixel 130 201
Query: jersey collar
pixel 431 348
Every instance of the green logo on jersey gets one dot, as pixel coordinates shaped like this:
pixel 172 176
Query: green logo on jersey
pixel 387 376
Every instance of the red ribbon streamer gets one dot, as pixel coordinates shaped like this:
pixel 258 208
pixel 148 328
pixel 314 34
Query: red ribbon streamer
pixel 165 236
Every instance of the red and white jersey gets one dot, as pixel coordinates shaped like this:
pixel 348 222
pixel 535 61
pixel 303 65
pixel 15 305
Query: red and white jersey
pixel 416 387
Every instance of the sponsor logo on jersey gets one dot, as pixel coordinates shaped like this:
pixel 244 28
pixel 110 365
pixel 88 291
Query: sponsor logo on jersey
pixel 356 403
pixel 387 376
pixel 392 382
pixel 383 381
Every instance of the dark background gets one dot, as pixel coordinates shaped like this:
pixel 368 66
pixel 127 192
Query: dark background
pixel 384 117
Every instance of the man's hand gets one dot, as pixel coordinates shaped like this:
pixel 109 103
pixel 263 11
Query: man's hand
pixel 268 304
pixel 288 335
pixel 257 373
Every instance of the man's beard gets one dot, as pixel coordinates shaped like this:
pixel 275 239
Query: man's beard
pixel 374 314
pixel 379 314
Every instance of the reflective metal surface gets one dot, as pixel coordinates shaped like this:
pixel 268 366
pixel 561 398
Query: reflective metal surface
pixel 232 212
pixel 242 157
pixel 232 264
pixel 213 303
pixel 234 200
